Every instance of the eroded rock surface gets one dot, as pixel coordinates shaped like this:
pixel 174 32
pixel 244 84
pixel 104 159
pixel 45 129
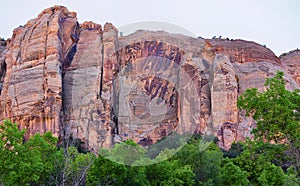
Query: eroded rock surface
pixel 247 65
pixel 241 51
pixel 32 90
pixel 291 61
pixel 159 87
pixel 85 82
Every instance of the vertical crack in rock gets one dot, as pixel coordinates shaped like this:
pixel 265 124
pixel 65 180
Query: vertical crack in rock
pixel 115 102
pixel 15 93
pixel 2 74
pixel 45 49
pixel 41 126
pixel 71 50
pixel 205 97
pixel 46 35
pixel 115 92
pixel 224 101
pixel 108 72
pixel 45 113
pixel 3 69
pixel 101 65
pixel 66 58
pixel 83 108
pixel 19 58
pixel 238 114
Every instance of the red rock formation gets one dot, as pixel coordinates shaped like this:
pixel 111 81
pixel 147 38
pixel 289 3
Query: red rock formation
pixel 31 93
pixel 291 61
pixel 241 51
pixel 149 97
pixel 82 110
pixel 247 66
pixel 85 82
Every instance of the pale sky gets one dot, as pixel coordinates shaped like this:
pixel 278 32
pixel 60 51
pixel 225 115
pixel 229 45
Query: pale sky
pixel 274 23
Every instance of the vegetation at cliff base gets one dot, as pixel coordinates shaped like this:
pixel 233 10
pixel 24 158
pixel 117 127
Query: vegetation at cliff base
pixel 272 158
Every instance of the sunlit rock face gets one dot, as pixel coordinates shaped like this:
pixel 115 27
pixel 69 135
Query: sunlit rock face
pixel 31 92
pixel 84 81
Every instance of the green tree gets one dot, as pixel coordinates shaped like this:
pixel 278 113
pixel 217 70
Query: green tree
pixel 122 165
pixel 127 152
pixel 258 168
pixel 170 172
pixel 39 157
pixel 271 175
pixel 25 163
pixel 235 150
pixel 137 175
pixel 233 175
pixel 205 160
pixel 106 172
pixel 71 167
pixel 277 112
pixel 291 178
pixel 11 145
pixel 127 164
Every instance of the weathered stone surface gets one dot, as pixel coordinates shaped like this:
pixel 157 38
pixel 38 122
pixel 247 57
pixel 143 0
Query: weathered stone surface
pixel 241 51
pixel 85 82
pixel 291 62
pixel 31 94
pixel 247 66
pixel 81 86
pixel 224 94
pixel 161 83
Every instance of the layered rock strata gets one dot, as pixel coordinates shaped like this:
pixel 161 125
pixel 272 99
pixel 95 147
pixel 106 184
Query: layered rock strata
pixel 83 81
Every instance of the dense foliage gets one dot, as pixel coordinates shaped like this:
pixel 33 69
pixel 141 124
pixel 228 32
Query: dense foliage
pixel 277 112
pixel 271 159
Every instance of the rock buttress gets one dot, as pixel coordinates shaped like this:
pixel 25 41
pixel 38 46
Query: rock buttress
pixel 32 91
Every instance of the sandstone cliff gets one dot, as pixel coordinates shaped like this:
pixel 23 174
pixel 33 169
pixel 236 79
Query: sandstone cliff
pixel 31 94
pixel 84 81
pixel 291 61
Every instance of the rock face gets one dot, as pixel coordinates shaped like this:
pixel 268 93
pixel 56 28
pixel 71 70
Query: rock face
pixel 246 65
pixel 85 82
pixel 158 86
pixel 32 90
pixel 291 61
pixel 240 51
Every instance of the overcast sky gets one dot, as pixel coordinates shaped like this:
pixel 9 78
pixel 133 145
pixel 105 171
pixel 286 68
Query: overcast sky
pixel 274 23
